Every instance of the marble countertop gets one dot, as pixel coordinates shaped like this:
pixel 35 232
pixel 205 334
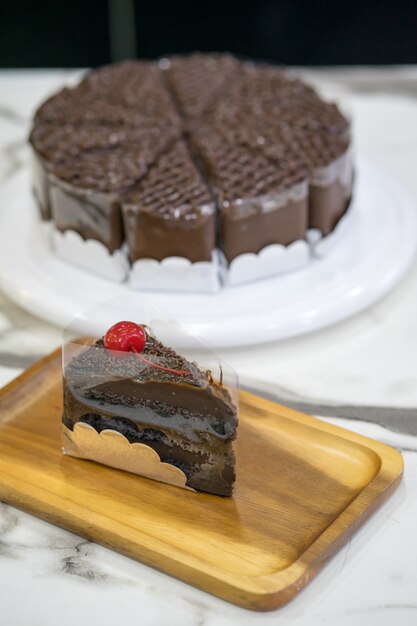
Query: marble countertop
pixel 50 576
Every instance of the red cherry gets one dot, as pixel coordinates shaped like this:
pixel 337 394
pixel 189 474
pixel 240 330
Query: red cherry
pixel 126 337
pixel 130 337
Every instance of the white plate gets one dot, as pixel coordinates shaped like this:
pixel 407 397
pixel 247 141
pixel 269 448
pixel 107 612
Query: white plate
pixel 369 260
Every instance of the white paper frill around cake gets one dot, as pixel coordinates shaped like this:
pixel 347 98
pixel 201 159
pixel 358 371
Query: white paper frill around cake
pixel 181 275
pixel 271 260
pixel 90 255
pixel 177 274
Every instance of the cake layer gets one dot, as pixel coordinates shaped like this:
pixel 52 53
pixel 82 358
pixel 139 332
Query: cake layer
pixel 207 461
pixel 102 375
pixel 171 211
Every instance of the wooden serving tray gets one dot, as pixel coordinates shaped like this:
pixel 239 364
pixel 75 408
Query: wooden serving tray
pixel 303 488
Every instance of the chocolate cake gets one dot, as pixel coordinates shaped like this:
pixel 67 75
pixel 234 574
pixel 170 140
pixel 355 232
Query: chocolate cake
pixel 114 400
pixel 190 156
pixel 171 212
pixel 255 211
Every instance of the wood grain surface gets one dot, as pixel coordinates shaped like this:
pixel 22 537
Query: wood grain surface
pixel 303 487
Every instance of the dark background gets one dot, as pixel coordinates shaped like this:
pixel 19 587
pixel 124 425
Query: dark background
pixel 80 33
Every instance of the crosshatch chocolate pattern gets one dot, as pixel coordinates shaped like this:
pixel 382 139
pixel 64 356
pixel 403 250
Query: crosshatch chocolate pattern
pixel 190 154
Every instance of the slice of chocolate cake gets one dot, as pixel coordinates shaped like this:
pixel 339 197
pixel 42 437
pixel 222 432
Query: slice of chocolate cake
pixel 269 110
pixel 261 203
pixel 145 393
pixel 329 161
pixel 85 189
pixel 171 212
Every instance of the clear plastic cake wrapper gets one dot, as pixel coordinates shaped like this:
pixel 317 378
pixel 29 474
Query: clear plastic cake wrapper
pixel 340 170
pixel 135 401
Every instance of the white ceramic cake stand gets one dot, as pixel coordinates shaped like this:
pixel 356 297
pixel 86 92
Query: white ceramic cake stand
pixel 371 257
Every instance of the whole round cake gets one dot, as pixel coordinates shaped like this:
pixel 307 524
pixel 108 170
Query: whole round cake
pixel 190 172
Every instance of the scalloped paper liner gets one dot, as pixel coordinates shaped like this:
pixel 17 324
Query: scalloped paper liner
pixel 271 260
pixel 177 274
pixel 110 447
pixel 90 255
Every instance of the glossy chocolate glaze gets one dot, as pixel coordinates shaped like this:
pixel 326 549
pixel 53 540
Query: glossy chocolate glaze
pixel 251 231
pixel 252 132
pixel 310 135
pixel 187 419
pixel 171 212
pixel 255 211
pixel 327 205
pixel 149 235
